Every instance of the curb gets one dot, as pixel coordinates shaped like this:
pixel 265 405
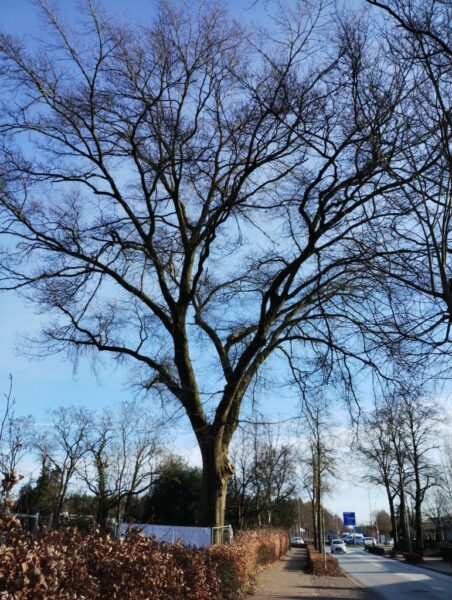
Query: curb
pixel 423 566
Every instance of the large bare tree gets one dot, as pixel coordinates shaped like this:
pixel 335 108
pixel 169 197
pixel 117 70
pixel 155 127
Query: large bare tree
pixel 195 197
pixel 418 35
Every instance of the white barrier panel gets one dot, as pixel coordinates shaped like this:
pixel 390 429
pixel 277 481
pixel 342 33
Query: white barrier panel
pixel 197 537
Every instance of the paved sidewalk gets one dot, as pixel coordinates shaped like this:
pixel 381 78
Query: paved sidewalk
pixel 285 580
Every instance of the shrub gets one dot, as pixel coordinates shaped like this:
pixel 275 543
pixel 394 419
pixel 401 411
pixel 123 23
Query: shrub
pixel 322 564
pixel 446 550
pixel 433 552
pixel 374 549
pixel 413 557
pixel 67 564
pixel 237 563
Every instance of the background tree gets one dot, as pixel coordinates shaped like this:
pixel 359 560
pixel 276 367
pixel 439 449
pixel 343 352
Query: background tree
pixel 15 439
pixel 241 505
pixel 421 420
pixel 438 511
pixel 42 496
pixel 374 445
pixel 175 495
pixel 63 446
pixel 317 464
pixel 398 442
pixel 201 186
pixel 385 524
pixel 121 459
pixel 446 470
pixel 262 487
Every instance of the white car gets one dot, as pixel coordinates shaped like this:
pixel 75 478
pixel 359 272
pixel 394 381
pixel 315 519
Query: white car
pixel 338 546
pixel 370 541
pixel 355 538
pixel 296 541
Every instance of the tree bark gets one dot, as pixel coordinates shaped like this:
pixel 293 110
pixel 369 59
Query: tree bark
pixel 314 522
pixel 216 472
pixel 418 520
pixel 406 541
pixel 393 519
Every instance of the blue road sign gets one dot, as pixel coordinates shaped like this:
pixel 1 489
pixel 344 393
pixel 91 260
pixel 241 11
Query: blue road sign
pixel 349 518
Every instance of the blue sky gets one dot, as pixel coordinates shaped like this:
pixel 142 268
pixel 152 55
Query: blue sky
pixel 20 16
pixel 49 382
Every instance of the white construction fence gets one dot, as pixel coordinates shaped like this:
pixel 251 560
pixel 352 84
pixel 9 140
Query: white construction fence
pixel 197 537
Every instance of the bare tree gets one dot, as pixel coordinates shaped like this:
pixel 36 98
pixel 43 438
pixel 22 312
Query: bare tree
pixel 264 475
pixel 121 460
pixel 376 449
pixel 397 442
pixel 15 441
pixel 418 36
pixel 317 463
pixel 439 504
pixel 446 479
pixel 241 487
pixel 438 510
pixel 63 445
pixel 421 420
pixel 274 476
pixel 427 21
pixel 196 190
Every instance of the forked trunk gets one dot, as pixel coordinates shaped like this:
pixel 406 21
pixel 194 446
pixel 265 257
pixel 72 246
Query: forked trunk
pixel 216 471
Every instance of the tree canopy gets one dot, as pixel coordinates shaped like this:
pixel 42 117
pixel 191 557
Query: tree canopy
pixel 198 197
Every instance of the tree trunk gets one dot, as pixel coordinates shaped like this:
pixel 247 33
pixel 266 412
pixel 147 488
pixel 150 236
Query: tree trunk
pixel 216 471
pixel 403 521
pixel 418 526
pixel 393 519
pixel 102 512
pixel 418 509
pixel 321 533
pixel 61 497
pixel 314 521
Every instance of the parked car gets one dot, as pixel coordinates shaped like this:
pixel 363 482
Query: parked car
pixel 355 538
pixel 370 541
pixel 296 541
pixel 338 546
pixel 390 542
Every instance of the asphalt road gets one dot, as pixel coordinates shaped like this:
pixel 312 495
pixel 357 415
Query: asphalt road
pixel 394 580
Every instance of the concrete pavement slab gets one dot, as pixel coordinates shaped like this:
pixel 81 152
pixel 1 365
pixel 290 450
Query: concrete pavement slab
pixel 285 580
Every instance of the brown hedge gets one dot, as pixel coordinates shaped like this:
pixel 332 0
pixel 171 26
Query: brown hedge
pixel 322 564
pixel 376 549
pixel 413 557
pixel 68 564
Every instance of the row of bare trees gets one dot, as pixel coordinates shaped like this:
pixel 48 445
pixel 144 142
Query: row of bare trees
pixel 318 464
pixel 264 484
pixel 113 455
pixel 197 197
pixel 398 442
pixel 439 504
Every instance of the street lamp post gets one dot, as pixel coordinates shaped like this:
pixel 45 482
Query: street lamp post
pixel 370 513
